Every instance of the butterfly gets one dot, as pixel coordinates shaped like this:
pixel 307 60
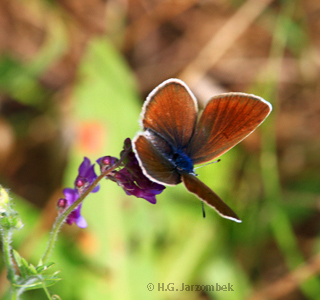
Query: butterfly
pixel 176 137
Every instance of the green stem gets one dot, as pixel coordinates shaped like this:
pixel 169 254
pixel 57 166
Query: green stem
pixel 6 241
pixel 6 245
pixel 14 294
pixel 46 291
pixel 61 219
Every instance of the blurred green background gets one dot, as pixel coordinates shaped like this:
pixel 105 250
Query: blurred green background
pixel 73 78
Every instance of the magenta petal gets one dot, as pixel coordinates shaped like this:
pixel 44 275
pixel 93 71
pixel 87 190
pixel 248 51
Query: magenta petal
pixel 72 195
pixel 81 222
pixel 87 174
pixel 85 165
pixel 96 189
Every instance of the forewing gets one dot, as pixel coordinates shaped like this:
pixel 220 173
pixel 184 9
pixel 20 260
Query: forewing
pixel 171 111
pixel 226 120
pixel 153 161
pixel 204 193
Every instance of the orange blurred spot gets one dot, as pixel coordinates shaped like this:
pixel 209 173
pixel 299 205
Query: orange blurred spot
pixel 88 242
pixel 91 136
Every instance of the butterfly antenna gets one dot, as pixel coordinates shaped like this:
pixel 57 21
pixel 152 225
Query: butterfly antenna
pixel 213 162
pixel 203 211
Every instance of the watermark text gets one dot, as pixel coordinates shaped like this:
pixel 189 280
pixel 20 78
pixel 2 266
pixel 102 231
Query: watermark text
pixel 170 287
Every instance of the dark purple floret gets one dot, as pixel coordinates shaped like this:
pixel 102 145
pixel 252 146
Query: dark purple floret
pixel 132 179
pixel 72 195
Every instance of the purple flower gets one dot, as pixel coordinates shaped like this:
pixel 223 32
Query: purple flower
pixel 84 179
pixel 86 176
pixel 132 179
pixel 72 195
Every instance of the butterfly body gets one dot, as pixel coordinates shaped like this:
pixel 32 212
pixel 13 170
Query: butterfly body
pixel 174 138
pixel 182 161
pixel 178 156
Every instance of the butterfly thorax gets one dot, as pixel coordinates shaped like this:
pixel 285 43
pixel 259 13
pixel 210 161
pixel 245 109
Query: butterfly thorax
pixel 176 155
pixel 182 162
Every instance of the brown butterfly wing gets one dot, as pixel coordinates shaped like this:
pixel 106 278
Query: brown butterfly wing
pixel 171 111
pixel 153 162
pixel 195 186
pixel 226 120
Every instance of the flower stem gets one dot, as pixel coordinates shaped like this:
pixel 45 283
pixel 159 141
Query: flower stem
pixel 61 219
pixel 6 246
pixel 46 291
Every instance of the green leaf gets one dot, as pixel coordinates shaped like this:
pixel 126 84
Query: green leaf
pixel 21 263
pixel 37 282
pixel 17 257
pixel 24 262
pixel 43 268
pixel 32 270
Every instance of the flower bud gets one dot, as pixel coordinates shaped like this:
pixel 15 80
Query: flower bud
pixel 4 200
pixel 62 203
pixel 9 218
pixel 106 162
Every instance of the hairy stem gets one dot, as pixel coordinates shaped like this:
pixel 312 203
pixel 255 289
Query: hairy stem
pixel 61 219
